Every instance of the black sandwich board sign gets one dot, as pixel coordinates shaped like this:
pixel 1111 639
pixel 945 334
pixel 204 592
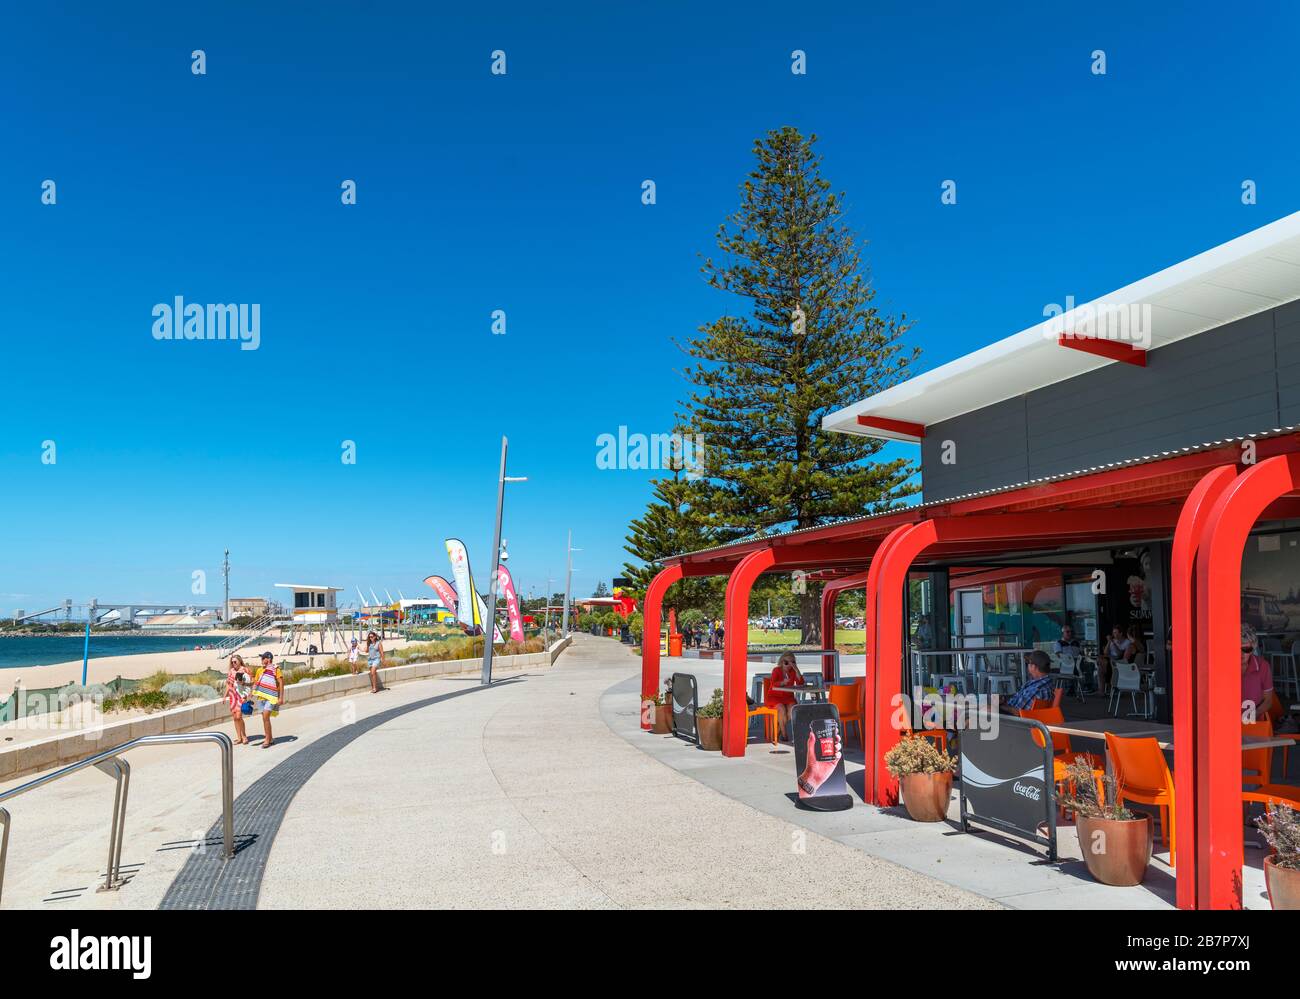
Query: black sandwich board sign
pixel 1007 779
pixel 819 757
pixel 686 702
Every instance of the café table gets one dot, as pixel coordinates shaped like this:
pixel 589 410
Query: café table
pixel 803 692
pixel 1129 728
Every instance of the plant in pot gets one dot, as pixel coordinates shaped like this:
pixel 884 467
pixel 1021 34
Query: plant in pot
pixel 1116 842
pixel 1281 828
pixel 924 772
pixel 708 722
pixel 660 709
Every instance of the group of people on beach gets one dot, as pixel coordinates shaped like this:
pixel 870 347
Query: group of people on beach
pixel 262 691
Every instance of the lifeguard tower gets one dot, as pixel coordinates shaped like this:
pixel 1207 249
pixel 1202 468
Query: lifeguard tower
pixel 314 607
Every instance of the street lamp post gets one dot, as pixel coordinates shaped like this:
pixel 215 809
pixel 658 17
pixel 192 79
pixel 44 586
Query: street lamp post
pixel 568 582
pixel 490 624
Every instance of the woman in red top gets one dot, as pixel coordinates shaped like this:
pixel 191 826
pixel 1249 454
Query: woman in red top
pixel 786 674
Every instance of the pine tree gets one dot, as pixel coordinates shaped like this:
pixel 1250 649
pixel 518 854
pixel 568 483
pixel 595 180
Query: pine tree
pixel 601 589
pixel 812 341
pixel 677 520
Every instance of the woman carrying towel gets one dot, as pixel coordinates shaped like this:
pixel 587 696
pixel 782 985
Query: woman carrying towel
pixel 236 684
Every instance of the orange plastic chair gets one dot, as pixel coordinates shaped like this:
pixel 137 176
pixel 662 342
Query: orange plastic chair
pixel 1061 748
pixel 1263 791
pixel 847 698
pixel 766 713
pixel 1142 775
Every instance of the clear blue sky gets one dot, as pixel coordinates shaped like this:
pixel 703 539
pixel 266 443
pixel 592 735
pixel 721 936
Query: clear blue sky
pixel 522 193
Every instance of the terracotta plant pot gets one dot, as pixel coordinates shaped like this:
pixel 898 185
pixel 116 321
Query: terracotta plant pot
pixel 1283 885
pixel 926 796
pixel 710 730
pixel 663 719
pixel 1117 851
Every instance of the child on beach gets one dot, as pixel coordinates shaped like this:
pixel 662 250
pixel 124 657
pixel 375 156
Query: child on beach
pixel 352 657
pixel 269 692
pixel 236 688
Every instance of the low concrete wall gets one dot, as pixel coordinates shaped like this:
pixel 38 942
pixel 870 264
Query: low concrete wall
pixel 68 747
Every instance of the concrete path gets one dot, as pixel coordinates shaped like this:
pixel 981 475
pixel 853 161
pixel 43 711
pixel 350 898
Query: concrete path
pixel 524 797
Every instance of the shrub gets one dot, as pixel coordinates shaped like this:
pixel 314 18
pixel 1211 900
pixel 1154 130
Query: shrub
pixel 1084 800
pixel 918 755
pixel 147 699
pixel 1281 828
pixel 714 708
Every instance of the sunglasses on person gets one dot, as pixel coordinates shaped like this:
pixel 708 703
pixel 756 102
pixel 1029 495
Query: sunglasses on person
pixel 1247 648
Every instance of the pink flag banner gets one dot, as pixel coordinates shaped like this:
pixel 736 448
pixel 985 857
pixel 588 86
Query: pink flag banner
pixel 512 603
pixel 446 592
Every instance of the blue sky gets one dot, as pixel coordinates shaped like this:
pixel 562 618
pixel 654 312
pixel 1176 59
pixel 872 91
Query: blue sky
pixel 478 192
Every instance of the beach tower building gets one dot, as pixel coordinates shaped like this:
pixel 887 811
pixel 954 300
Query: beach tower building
pixel 314 608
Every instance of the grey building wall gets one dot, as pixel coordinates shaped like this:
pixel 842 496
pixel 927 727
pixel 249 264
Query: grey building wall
pixel 1240 378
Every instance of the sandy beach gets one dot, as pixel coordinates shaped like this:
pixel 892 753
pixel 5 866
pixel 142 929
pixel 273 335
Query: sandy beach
pixel 133 667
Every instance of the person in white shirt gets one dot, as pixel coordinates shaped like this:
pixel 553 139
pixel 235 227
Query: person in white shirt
pixel 1119 649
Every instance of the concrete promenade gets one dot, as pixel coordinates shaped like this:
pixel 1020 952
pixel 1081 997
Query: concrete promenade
pixel 515 795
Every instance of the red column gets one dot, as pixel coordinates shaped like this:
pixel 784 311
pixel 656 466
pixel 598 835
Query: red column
pixel 1182 595
pixel 829 592
pixel 894 566
pixel 735 658
pixel 652 619
pixel 870 697
pixel 1218 701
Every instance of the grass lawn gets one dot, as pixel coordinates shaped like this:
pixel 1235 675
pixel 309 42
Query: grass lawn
pixel 843 636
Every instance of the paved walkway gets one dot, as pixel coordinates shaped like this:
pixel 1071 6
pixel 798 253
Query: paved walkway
pixel 523 796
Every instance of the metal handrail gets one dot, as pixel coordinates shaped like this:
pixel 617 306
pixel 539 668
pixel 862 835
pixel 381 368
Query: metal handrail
pixel 109 762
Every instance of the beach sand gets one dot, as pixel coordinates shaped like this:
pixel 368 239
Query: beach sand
pixel 106 668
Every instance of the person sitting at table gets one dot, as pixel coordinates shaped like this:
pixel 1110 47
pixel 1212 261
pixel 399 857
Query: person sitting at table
pixel 1037 688
pixel 1257 698
pixel 1067 645
pixel 1119 649
pixel 786 674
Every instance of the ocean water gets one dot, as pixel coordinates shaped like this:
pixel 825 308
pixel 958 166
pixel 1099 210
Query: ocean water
pixel 41 650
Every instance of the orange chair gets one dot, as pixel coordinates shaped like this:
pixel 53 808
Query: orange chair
pixel 1060 741
pixel 1142 775
pixel 847 698
pixel 766 713
pixel 1262 790
pixel 1062 754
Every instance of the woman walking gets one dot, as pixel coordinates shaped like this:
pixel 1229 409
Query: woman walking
pixel 236 687
pixel 374 659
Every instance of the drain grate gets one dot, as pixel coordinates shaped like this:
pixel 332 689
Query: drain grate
pixel 208 881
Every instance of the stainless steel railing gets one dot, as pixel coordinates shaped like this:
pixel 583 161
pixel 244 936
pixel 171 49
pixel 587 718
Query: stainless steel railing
pixel 109 761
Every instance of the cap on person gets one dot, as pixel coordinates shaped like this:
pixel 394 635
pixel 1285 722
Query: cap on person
pixel 267 655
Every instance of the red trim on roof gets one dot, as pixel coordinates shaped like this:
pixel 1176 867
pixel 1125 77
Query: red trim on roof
pixel 1102 347
pixel 916 430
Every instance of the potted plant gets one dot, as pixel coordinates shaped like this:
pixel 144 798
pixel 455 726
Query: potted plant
pixel 1281 827
pixel 708 722
pixel 660 709
pixel 924 772
pixel 1116 843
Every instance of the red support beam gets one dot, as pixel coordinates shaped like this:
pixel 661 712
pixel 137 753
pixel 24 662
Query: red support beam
pixel 829 592
pixel 914 430
pixel 1218 698
pixel 1115 350
pixel 870 696
pixel 1182 597
pixel 652 618
pixel 735 657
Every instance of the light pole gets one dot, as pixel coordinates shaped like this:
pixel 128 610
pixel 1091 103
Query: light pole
pixel 225 571
pixel 568 582
pixel 490 625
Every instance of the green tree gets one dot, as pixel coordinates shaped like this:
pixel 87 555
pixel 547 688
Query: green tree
pixel 809 340
pixel 677 520
pixel 601 589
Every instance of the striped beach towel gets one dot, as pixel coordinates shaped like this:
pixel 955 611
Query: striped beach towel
pixel 267 686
